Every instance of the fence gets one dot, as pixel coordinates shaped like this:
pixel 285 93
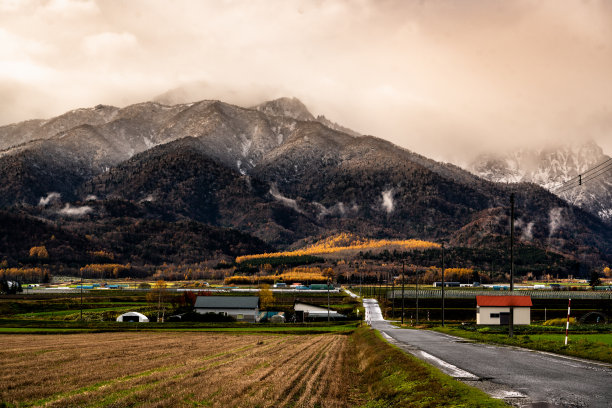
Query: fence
pixel 468 294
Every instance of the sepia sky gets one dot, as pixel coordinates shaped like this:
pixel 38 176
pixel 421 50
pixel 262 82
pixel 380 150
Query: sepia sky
pixel 445 78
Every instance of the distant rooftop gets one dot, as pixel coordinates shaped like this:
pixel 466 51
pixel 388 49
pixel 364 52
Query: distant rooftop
pixel 504 301
pixel 227 302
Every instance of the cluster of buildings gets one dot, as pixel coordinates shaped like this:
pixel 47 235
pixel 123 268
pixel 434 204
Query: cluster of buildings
pixel 246 309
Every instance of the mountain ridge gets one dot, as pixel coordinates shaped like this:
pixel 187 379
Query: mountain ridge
pixel 552 168
pixel 274 177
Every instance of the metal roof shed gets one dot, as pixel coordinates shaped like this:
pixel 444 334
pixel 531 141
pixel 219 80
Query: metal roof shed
pixel 241 308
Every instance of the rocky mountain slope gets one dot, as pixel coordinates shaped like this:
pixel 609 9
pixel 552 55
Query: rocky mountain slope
pixel 553 168
pixel 274 172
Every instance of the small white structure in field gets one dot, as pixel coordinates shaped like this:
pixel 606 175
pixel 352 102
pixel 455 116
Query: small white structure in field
pixel 495 310
pixel 308 311
pixel 133 317
pixel 241 308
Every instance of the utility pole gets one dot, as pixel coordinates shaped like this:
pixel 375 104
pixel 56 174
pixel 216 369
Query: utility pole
pixel 328 300
pixel 380 275
pixel 443 284
pixel 360 285
pixel 393 295
pixel 417 295
pixel 511 325
pixel 81 295
pixel 402 293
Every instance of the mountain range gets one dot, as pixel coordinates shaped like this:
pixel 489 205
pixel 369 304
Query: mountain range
pixel 264 177
pixel 558 170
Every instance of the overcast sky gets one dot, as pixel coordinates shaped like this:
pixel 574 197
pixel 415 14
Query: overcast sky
pixel 444 78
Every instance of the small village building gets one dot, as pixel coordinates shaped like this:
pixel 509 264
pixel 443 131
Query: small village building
pixel 133 317
pixel 495 310
pixel 241 308
pixel 306 311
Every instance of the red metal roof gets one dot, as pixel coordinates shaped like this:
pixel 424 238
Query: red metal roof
pixel 503 301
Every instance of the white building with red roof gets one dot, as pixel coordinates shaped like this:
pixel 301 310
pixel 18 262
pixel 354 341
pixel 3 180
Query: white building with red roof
pixel 495 310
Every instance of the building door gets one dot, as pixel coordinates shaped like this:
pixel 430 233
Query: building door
pixel 504 318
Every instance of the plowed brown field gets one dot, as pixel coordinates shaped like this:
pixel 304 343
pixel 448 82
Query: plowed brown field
pixel 174 370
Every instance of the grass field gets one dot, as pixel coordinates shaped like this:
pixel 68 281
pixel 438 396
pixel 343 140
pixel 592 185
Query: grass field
pixel 593 346
pixel 29 326
pixel 560 338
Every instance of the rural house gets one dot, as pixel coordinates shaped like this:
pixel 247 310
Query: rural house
pixel 495 310
pixel 241 308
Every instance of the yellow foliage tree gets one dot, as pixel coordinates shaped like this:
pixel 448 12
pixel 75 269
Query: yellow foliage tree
pixel 39 252
pixel 266 297
pixel 342 242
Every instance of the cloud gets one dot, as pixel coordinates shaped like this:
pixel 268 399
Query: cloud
pixel 51 197
pixel 70 211
pixel 288 202
pixel 71 8
pixel 337 210
pixel 446 79
pixel 109 43
pixel 555 222
pixel 387 201
pixel 526 230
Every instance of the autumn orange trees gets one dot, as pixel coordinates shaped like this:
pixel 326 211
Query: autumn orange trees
pixel 296 275
pixel 342 242
pixel 266 297
pixel 104 271
pixel 39 252
pixel 26 275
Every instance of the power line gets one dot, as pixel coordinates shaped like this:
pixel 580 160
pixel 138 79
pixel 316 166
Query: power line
pixel 588 175
pixel 585 174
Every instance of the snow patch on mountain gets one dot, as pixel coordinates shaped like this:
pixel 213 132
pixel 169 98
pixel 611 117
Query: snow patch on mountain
pixel 552 168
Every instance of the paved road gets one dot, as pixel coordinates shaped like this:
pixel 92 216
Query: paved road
pixel 522 377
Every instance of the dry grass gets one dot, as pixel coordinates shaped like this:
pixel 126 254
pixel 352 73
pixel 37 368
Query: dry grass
pixel 174 370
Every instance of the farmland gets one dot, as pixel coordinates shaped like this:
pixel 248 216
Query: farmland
pixel 168 369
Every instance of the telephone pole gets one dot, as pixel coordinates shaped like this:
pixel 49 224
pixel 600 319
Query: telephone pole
pixel 81 295
pixel 443 284
pixel 328 283
pixel 417 295
pixel 511 325
pixel 393 295
pixel 402 293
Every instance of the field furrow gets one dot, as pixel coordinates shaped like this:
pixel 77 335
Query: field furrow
pixel 170 369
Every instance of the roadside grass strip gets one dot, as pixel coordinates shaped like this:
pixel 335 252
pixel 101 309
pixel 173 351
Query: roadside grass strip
pixel 389 377
pixel 597 346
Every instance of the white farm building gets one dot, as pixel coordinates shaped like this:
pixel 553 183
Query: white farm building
pixel 133 317
pixel 495 310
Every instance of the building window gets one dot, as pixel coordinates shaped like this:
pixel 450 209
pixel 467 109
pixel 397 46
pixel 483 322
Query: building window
pixel 494 315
